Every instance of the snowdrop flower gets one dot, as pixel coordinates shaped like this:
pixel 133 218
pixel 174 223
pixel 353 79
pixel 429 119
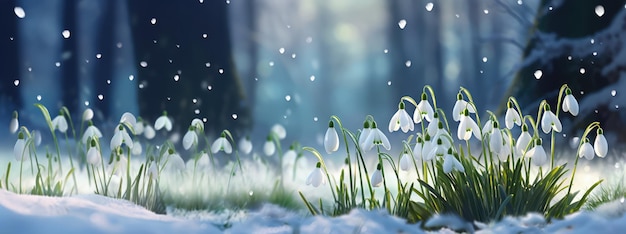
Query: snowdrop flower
pixel 487 127
pixel 203 161
pixel 405 162
pixel 221 143
pixel 121 136
pixel 190 138
pixel 153 171
pixel 495 139
pixel 138 127
pixel 506 147
pixel 279 130
pixel 129 119
pixel 269 148
pixel 36 135
pixel 331 139
pixel 149 132
pixel 245 145
pixel 450 163
pixel 427 146
pixel 376 137
pixel 401 119
pixel 119 165
pixel 174 161
pixel 600 145
pixel 436 150
pixel 419 145
pixel 423 110
pixel 21 151
pixel 198 124
pixel 586 150
pixel 93 154
pixel 59 123
pixel 459 107
pixel 163 121
pixel 467 126
pixel 137 148
pixel 512 117
pixel 365 132
pixel 549 121
pixel 538 154
pixel 569 103
pixel 316 178
pixel 87 114
pixel 523 140
pixel 377 176
pixel 14 124
pixel 91 131
pixel 433 127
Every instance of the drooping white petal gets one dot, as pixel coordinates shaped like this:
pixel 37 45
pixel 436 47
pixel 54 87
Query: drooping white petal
pixel 417 116
pixel 457 110
pixel 377 178
pixel 331 140
pixel 59 123
pixel 129 119
pixel 512 117
pixel 116 141
pixel 279 130
pixel 316 178
pixel 466 128
pixel 91 131
pixel 163 122
pixel 376 137
pixel 137 148
pixel 538 154
pixel 394 123
pixel 221 143
pixel 405 162
pixel 138 127
pixel 245 145
pixel 127 140
pixel 36 135
pixel 14 125
pixel 87 114
pixel 586 150
pixel 426 110
pixel 495 141
pixel 450 162
pixel 600 146
pixel 549 122
pixel 269 148
pixel 406 123
pixel 149 132
pixel 93 156
pixel 364 135
pixel 204 161
pixel 20 150
pixel 153 172
pixel 522 141
pixel 198 124
pixel 570 105
pixel 487 127
pixel 189 139
pixel 175 162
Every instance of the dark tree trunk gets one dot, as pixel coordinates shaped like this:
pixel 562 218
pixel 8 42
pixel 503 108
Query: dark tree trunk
pixel 178 48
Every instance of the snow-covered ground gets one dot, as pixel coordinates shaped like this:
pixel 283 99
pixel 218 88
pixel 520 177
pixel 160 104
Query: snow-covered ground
pixel 97 214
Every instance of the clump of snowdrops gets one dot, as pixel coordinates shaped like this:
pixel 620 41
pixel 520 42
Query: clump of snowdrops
pixel 480 174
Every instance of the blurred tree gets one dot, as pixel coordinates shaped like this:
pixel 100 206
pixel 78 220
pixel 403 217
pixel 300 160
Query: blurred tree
pixel 569 20
pixel 186 65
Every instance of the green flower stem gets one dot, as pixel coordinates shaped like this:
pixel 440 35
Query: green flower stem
pixel 350 174
pixel 589 128
pixel 321 160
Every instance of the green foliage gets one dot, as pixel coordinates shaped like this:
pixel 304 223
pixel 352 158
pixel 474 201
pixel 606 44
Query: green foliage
pixel 606 193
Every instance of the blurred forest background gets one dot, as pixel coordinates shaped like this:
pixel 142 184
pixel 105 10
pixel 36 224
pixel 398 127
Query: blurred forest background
pixel 246 65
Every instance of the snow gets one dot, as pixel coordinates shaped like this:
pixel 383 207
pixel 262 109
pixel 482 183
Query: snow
pixel 97 214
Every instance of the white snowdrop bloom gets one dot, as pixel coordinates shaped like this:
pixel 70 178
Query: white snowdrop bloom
pixel 119 166
pixel 137 148
pixel 190 138
pixel 417 149
pixel 423 110
pixel 121 136
pixel 427 147
pixel 600 145
pixel 93 155
pixel 376 137
pixel 495 139
pixel 437 149
pixel 506 147
pixel 523 140
pixel 153 171
pixel 467 126
pixel 331 139
pixel 269 148
pixel 401 120
pixel 91 131
pixel 175 162
pixel 21 151
pixel 512 117
pixel 435 127
pixel 459 107
pixel 550 122
pixel 14 124
pixel 198 124
pixel 405 162
pixel 221 143
pixel 245 145
pixel 163 121
pixel 128 119
pixel 487 127
pixel 36 135
pixel 569 103
pixel 586 150
pixel 87 114
pixel 316 178
pixel 59 123
pixel 377 177
pixel 279 130
pixel 450 163
pixel 149 132
pixel 138 127
pixel 538 154
pixel 203 161
pixel 365 133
